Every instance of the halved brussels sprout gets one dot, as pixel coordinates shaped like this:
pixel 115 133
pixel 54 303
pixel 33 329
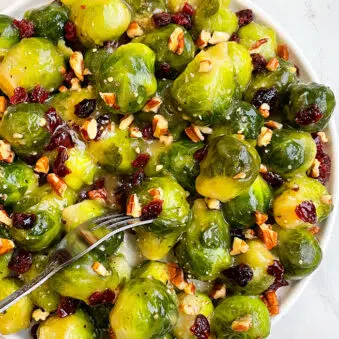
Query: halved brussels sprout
pixel 177 5
pixel 9 34
pixel 236 307
pixel 204 249
pixel 153 270
pixel 98 21
pixel 31 62
pixel 309 107
pixel 289 153
pixel 23 126
pixel 230 168
pixel 145 309
pixel 240 211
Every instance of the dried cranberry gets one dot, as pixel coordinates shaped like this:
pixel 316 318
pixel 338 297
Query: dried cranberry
pixel 161 19
pixel 99 184
pixel 277 270
pixel 182 19
pixel 235 37
pixel 85 108
pixel 265 96
pixel 102 123
pixel 59 167
pixel 23 221
pixel 188 9
pixel 319 144
pixel 201 327
pixel 141 160
pixel 20 95
pixel 26 28
pixel 152 210
pixel 68 76
pixel 307 212
pixel 164 70
pixel 324 168
pixel 61 138
pixel 147 132
pixel 53 119
pixel 259 63
pixel 241 274
pixel 70 31
pixel 38 95
pixel 273 179
pixel 138 177
pixel 42 178
pixel 200 154
pixel 21 261
pixel 105 297
pixel 245 17
pixel 308 116
pixel 67 306
pixel 236 232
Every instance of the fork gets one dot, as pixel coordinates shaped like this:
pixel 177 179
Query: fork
pixel 75 245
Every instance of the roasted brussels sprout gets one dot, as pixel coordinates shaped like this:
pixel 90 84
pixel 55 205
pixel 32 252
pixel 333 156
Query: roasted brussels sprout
pixel 204 249
pixel 236 307
pixel 302 201
pixel 299 252
pixel 18 316
pixel 16 180
pixel 289 153
pixel 177 5
pixel 9 34
pixel 31 62
pixel 153 270
pixel 6 257
pixel 205 96
pixel 23 126
pixel 145 309
pixel 240 211
pixel 131 67
pixel 77 325
pixel 49 20
pixel 309 107
pixel 230 168
pixel 98 21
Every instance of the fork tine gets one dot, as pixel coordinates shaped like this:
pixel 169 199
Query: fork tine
pixel 113 218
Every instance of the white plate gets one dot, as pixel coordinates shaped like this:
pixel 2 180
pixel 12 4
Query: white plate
pixel 288 295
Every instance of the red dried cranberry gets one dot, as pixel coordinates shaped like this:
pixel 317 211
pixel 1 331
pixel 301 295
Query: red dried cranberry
pixel 67 306
pixel 307 212
pixel 21 261
pixel 163 70
pixel 152 210
pixel 201 327
pixel 245 17
pixel 38 95
pixel 241 274
pixel 259 63
pixel 61 138
pixel 324 168
pixel 102 123
pixel 273 179
pixel 23 221
pixel 188 9
pixel 182 19
pixel 265 96
pixel 53 119
pixel 105 297
pixel 26 28
pixel 277 270
pixel 161 19
pixel 42 178
pixel 200 154
pixel 85 108
pixel 59 167
pixel 235 37
pixel 319 144
pixel 68 76
pixel 70 31
pixel 20 95
pixel 98 184
pixel 147 132
pixel 308 116
pixel 137 178
pixel 141 160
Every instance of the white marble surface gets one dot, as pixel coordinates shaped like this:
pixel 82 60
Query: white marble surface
pixel 313 24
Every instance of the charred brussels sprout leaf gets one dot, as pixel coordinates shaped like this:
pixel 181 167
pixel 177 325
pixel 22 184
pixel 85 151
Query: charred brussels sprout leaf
pixel 9 34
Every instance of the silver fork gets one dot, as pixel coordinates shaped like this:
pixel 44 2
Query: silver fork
pixel 73 246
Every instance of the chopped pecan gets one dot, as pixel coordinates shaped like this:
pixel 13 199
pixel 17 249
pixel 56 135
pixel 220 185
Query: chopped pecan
pixel 156 193
pixel 3 105
pixel 109 99
pixel 315 169
pixel 63 89
pixel 218 37
pixel 263 169
pixel 315 230
pixel 190 289
pixel 4 218
pixel 323 137
pixel 135 133
pixel 239 246
pixel 205 66
pixel 260 218
pixel 218 291
pixel 271 301
pixel 160 126
pixel 268 236
pixel 176 42
pixel 176 274
pixel 273 124
pixel 89 129
pixel 203 39
pixel 213 204
pixel 264 110
pixel 240 175
pixel 42 165
pixel 133 206
pixel 273 64
pixel 77 64
pixel 6 245
pixel 100 195
pixel 100 269
pixel 126 122
pixel 40 315
pixel 59 186
pixel 75 82
pixel 152 105
pixel 265 136
pixel 249 234
pixel 134 30
pixel 258 43
pixel 205 129
pixel 283 52
pixel 194 133
pixel 242 324
pixel 6 153
pixel 166 139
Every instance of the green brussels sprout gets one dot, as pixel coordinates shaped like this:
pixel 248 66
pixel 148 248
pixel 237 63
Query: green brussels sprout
pixel 9 34
pixel 295 192
pixel 200 303
pixel 289 153
pixel 205 96
pixel 144 309
pixel 299 252
pixel 306 99
pixel 131 67
pixel 77 325
pixel 204 249
pixel 157 40
pixel 230 168
pixel 49 20
pixel 27 134
pixel 16 180
pixel 236 307
pixel 4 261
pixel 177 5
pixel 31 62
pixel 98 21
pixel 250 34
pixel 120 265
pixel 240 211
pixel 152 270
pixel 43 297
pixel 64 49
pixel 258 258
pixel 18 316
pixel 175 208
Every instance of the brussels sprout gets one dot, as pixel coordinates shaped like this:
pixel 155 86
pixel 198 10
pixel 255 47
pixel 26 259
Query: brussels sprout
pixel 204 249
pixel 9 34
pixel 31 62
pixel 250 34
pixel 177 5
pixel 120 265
pixel 240 211
pixel 309 107
pixel 144 309
pixel 98 21
pixel 43 297
pixel 296 192
pixel 49 20
pixel 4 261
pixel 18 316
pixel 175 208
pixel 230 168
pixel 200 303
pixel 77 325
pixel 131 67
pixel 236 307
pixel 26 134
pixel 16 180
pixel 299 252
pixel 153 270
pixel 205 96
